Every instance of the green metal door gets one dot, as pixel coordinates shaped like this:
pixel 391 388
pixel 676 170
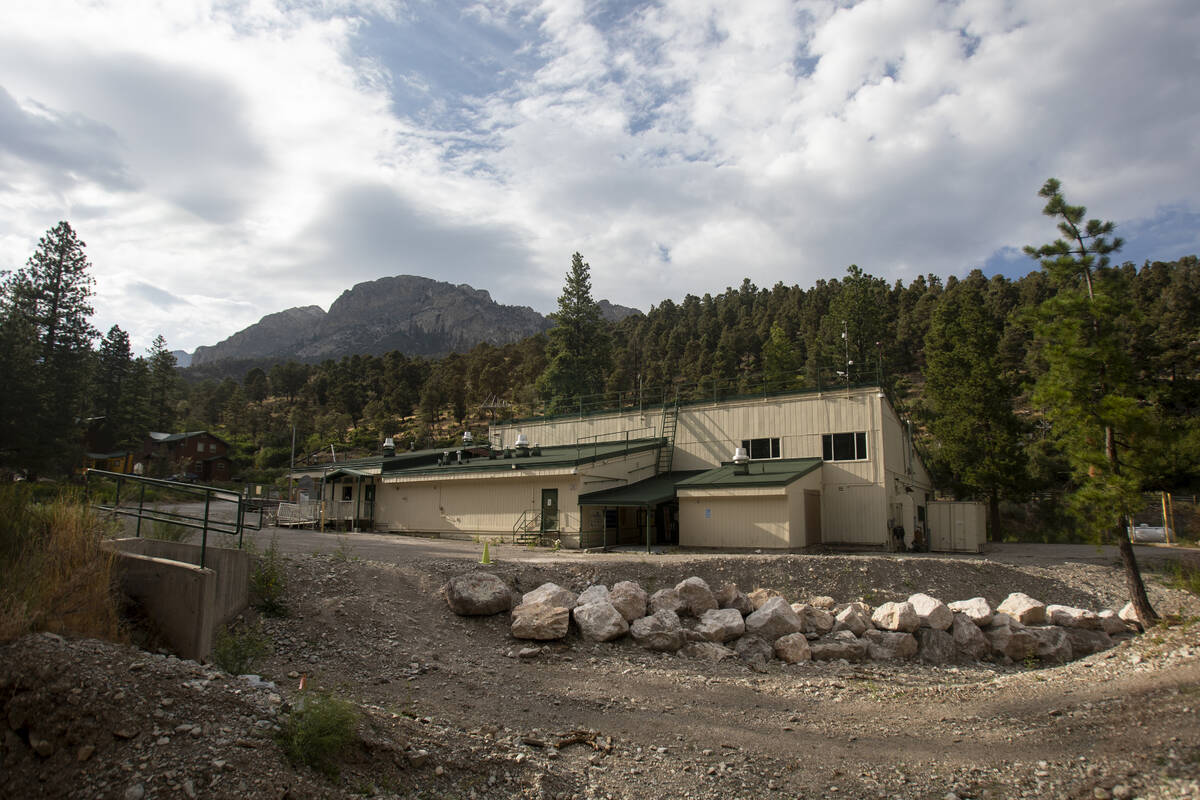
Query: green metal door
pixel 549 510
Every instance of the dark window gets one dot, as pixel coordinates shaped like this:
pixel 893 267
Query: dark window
pixel 760 449
pixel 844 446
pixel 347 492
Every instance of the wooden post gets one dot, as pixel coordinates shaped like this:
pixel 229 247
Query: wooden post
pixel 1166 524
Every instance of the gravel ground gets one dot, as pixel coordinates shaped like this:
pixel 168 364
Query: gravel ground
pixel 448 710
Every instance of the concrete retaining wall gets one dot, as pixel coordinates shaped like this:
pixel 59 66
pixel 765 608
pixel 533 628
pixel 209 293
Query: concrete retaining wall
pixel 187 602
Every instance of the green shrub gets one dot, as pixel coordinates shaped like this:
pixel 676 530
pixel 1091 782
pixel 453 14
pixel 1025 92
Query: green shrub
pixel 1183 575
pixel 237 652
pixel 268 583
pixel 318 731
pixel 169 531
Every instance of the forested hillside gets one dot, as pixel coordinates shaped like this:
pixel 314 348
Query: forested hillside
pixel 960 358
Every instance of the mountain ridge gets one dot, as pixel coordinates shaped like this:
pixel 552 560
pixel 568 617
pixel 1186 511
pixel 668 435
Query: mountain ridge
pixel 415 315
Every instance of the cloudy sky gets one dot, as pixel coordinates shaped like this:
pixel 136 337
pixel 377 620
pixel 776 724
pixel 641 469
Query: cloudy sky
pixel 224 159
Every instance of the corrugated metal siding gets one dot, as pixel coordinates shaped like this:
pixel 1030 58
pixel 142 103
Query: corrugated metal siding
pixel 734 521
pixel 853 515
pixel 473 506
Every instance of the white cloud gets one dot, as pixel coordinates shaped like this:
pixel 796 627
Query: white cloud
pixel 249 156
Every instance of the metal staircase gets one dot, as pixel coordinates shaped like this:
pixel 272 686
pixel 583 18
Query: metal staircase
pixel 670 419
pixel 528 528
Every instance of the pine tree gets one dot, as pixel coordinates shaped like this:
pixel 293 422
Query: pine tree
pixel 577 348
pixel 163 384
pixel 780 361
pixel 1087 389
pixel 110 385
pixel 51 297
pixel 976 435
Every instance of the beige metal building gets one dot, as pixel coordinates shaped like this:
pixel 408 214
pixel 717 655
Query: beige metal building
pixel 831 467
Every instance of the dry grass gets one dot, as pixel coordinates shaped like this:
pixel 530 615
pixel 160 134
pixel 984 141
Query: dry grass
pixel 57 577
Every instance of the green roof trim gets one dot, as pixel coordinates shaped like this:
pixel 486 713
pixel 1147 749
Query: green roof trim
pixel 643 494
pixel 550 457
pixel 777 472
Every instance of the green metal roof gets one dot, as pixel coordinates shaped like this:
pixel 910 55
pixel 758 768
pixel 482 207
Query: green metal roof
pixel 553 457
pixel 643 494
pixel 776 472
pixel 349 472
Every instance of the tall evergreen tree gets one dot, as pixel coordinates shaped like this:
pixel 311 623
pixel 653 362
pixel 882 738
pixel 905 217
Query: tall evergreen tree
pixel 163 384
pixel 1087 390
pixel 976 435
pixel 52 295
pixel 577 347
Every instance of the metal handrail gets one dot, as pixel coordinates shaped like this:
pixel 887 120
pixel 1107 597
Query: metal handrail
pixel 203 523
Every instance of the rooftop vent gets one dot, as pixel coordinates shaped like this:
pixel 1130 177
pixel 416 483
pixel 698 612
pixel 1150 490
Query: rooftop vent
pixel 741 461
pixel 468 439
pixel 389 447
pixel 522 440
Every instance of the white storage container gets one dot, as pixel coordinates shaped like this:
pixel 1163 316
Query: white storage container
pixel 956 526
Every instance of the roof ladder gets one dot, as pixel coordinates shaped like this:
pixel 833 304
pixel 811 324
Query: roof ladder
pixel 670 419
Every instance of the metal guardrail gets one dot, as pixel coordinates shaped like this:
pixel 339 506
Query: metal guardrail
pixel 208 521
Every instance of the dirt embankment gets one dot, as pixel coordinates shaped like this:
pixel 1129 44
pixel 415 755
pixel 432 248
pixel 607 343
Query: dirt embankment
pixel 446 711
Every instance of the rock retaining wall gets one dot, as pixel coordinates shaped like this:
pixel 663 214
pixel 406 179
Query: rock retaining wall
pixel 698 622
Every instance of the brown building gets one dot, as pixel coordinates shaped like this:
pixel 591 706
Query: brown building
pixel 194 455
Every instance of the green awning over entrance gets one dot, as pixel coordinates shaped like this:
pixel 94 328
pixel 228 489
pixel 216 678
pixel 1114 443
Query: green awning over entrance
pixel 643 494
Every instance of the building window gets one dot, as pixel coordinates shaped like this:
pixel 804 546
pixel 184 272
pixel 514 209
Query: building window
pixel 844 446
pixel 760 449
pixel 347 493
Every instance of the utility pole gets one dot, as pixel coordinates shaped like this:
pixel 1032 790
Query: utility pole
pixel 292 466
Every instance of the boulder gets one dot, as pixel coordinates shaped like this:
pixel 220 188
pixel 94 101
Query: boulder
pixel 896 617
pixel 843 644
pixel 1110 623
pixel 477 594
pixel 660 631
pixel 1053 644
pixel 815 620
pixel 721 625
pixel 696 596
pixel 755 651
pixel 889 645
pixel 595 593
pixel 1023 609
pixel 630 599
pixel 1005 620
pixel 759 597
pixel 666 600
pixel 1071 617
pixel 935 646
pixel 824 602
pixel 707 651
pixel 773 620
pixel 600 621
pixel 1016 643
pixel 977 609
pixel 1129 614
pixel 540 620
pixel 932 612
pixel 551 593
pixel 968 638
pixel 1085 641
pixel 730 596
pixel 851 618
pixel 793 648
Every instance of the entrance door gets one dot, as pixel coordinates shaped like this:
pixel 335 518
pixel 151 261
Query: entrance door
pixel 549 510
pixel 812 517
